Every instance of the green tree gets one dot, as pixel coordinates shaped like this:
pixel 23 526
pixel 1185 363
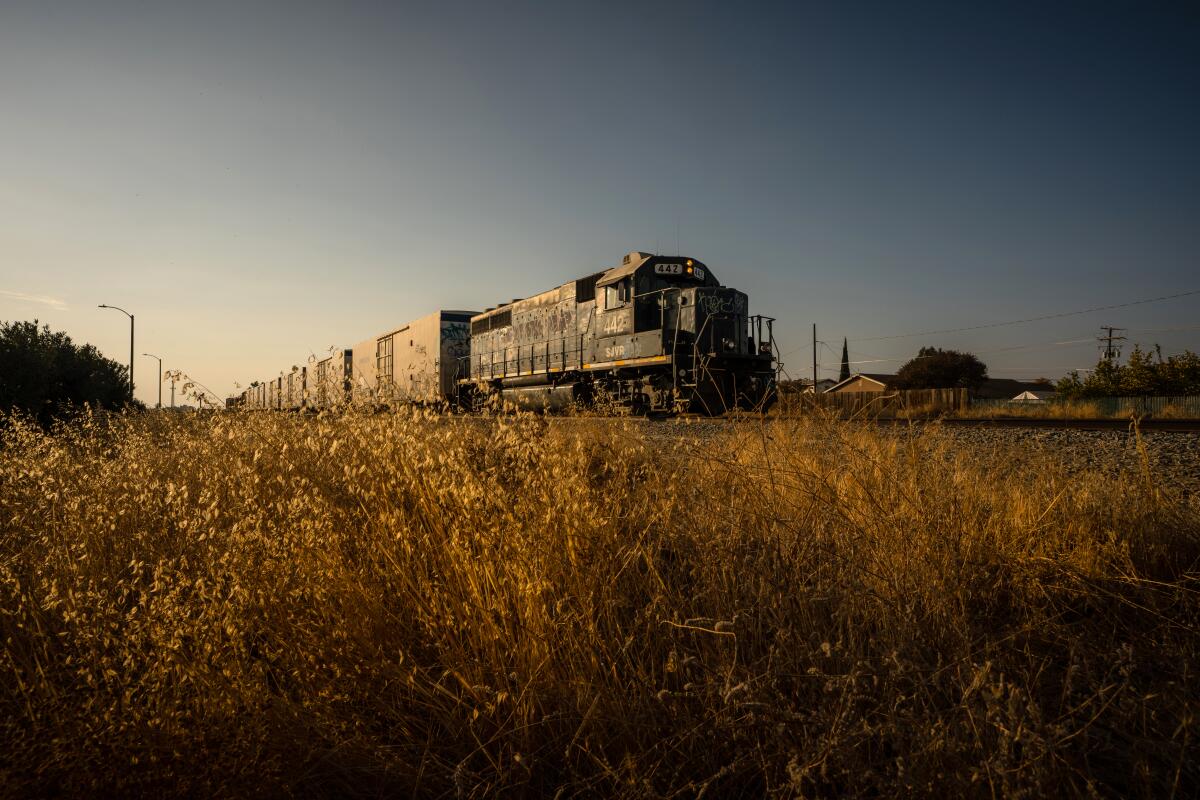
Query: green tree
pixel 934 368
pixel 1181 374
pixel 1140 376
pixel 45 374
pixel 1104 380
pixel 1144 374
pixel 1070 385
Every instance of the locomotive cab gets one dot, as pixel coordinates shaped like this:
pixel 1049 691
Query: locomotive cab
pixel 675 309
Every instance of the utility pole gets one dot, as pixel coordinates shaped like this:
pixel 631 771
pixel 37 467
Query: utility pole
pixel 1109 349
pixel 814 358
pixel 172 390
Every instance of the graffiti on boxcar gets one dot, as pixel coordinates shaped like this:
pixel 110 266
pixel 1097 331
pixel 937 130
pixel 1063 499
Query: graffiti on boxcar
pixel 456 338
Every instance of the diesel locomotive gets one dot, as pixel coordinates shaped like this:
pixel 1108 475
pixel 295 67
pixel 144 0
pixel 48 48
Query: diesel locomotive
pixel 653 334
pixel 656 333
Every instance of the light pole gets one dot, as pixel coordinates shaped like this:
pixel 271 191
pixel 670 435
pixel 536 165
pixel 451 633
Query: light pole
pixel 151 355
pixel 126 313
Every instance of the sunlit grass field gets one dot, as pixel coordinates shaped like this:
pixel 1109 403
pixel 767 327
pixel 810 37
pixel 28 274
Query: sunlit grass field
pixel 402 604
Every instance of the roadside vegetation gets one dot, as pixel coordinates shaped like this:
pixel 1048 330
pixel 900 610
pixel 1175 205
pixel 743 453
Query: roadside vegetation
pixel 345 605
pixel 47 376
pixel 1082 408
pixel 1145 373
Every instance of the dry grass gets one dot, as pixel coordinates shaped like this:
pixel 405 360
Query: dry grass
pixel 1072 409
pixel 1176 411
pixel 347 605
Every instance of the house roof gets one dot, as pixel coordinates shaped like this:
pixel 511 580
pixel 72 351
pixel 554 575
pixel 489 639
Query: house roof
pixel 882 379
pixel 1005 388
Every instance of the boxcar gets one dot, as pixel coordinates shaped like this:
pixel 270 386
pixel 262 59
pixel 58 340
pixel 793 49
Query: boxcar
pixel 420 362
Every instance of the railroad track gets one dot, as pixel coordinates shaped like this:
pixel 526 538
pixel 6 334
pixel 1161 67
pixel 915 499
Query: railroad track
pixel 1074 423
pixel 1151 424
pixel 1182 426
pixel 1078 424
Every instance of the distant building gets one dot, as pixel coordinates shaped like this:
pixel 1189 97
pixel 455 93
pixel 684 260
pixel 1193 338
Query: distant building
pixel 1007 388
pixel 823 386
pixel 804 385
pixel 864 382
pixel 991 389
pixel 1035 396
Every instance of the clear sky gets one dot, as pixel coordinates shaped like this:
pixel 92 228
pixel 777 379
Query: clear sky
pixel 258 182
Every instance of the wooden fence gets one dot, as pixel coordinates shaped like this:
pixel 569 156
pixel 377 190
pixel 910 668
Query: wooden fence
pixel 879 405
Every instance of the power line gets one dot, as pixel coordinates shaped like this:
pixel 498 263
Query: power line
pixel 1034 347
pixel 1164 330
pixel 1030 319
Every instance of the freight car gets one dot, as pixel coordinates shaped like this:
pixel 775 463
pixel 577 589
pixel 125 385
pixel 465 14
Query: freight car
pixel 415 363
pixel 657 333
pixel 332 379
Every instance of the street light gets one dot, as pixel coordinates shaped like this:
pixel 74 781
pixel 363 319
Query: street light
pixel 151 355
pixel 126 313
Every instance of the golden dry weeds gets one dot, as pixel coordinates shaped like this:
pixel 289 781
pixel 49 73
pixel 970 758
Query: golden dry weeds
pixel 354 605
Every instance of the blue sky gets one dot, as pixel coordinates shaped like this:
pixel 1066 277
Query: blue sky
pixel 258 182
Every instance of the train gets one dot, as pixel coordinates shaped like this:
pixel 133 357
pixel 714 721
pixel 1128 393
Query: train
pixel 652 334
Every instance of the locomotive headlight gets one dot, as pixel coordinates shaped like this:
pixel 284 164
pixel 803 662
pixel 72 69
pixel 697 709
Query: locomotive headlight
pixel 690 262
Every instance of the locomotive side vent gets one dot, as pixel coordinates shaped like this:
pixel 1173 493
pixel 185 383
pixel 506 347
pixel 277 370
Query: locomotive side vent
pixel 585 288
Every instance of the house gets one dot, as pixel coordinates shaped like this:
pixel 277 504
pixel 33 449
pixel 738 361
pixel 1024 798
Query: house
pixel 863 382
pixel 991 389
pixel 804 385
pixel 1035 395
pixel 823 386
pixel 1007 388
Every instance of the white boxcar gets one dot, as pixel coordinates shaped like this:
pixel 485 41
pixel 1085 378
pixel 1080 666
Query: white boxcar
pixel 293 387
pixel 329 379
pixel 416 363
